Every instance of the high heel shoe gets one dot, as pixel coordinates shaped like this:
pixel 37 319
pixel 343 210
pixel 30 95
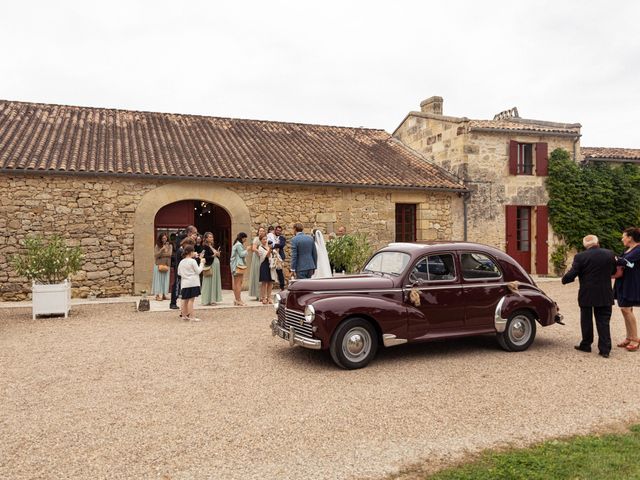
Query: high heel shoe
pixel 633 346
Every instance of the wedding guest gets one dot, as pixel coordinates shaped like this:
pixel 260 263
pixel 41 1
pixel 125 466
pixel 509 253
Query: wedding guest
pixel 211 286
pixel 594 267
pixel 266 275
pixel 271 236
pixel 254 274
pixel 238 266
pixel 189 270
pixel 161 270
pixel 303 253
pixel 198 246
pixel 342 231
pixel 278 246
pixel 189 232
pixel 627 287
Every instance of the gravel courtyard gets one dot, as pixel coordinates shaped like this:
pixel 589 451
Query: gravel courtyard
pixel 112 393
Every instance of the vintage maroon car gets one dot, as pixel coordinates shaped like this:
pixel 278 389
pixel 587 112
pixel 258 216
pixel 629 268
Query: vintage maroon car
pixel 412 292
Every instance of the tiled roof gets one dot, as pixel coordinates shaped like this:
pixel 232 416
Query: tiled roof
pixel 525 125
pixel 57 138
pixel 590 153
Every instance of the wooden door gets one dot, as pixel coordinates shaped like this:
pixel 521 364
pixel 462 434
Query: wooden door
pixel 518 230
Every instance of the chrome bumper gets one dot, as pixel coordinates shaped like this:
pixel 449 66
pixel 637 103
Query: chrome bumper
pixel 293 339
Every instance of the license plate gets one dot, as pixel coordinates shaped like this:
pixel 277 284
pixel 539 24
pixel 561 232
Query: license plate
pixel 283 334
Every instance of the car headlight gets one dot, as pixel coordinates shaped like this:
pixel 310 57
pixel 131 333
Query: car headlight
pixel 276 301
pixel 309 313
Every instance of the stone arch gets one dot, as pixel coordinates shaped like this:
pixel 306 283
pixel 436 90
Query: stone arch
pixel 154 200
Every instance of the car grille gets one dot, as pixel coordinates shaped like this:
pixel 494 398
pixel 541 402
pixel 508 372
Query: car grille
pixel 290 318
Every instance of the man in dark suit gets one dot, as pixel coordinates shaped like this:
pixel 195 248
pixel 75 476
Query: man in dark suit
pixel 304 256
pixel 594 268
pixel 278 246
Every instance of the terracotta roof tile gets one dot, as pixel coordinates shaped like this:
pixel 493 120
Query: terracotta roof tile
pixel 524 125
pixel 57 138
pixel 605 153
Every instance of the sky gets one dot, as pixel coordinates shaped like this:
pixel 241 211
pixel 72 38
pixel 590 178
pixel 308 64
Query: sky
pixel 348 63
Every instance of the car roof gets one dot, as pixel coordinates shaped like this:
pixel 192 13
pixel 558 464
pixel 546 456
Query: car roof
pixel 426 247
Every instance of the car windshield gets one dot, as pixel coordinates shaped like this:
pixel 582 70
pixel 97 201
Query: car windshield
pixel 392 263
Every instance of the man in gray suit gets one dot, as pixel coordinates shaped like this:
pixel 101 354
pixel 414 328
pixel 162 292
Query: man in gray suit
pixel 304 256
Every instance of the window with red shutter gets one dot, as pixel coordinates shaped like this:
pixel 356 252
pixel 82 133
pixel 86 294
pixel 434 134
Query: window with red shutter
pixel 542 160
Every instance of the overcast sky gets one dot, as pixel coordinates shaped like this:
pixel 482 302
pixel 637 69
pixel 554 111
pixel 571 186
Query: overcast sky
pixel 352 63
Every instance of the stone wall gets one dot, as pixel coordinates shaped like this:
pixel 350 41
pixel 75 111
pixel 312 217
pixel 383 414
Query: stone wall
pixel 481 159
pixel 100 214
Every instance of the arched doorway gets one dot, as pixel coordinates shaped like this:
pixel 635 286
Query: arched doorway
pixel 206 217
pixel 174 192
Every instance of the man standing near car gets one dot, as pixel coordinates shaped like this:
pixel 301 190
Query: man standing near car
pixel 278 246
pixel 304 256
pixel 594 268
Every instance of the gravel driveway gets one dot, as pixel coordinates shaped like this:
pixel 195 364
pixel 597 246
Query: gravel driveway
pixel 112 393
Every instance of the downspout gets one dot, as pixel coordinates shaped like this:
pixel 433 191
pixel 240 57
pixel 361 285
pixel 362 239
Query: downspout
pixel 465 199
pixel 575 147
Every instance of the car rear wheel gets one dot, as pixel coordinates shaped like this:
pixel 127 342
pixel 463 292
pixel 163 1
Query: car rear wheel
pixel 519 332
pixel 354 344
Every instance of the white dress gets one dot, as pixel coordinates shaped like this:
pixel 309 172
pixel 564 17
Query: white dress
pixel 323 268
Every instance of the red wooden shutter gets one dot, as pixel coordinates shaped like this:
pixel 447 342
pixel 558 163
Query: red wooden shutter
pixel 511 215
pixel 542 232
pixel 513 157
pixel 542 160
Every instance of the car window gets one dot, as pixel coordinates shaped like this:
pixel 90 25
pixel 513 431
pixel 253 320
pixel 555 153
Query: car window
pixel 393 263
pixel 434 268
pixel 478 266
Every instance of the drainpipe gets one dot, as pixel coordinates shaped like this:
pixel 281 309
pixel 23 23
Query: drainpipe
pixel 465 199
pixel 575 147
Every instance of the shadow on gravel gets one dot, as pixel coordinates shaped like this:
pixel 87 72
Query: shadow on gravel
pixel 459 348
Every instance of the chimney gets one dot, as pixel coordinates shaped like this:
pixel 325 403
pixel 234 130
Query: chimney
pixel 432 105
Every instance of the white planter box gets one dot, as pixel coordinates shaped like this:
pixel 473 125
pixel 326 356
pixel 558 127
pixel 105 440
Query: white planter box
pixel 51 299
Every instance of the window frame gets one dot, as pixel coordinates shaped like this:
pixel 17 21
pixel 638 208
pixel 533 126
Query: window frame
pixel 401 208
pixel 409 284
pixel 521 165
pixel 485 279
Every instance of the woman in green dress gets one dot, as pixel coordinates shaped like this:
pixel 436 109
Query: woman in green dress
pixel 211 286
pixel 254 274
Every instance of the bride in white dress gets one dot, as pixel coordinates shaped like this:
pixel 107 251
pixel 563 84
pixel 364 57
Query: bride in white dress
pixel 323 268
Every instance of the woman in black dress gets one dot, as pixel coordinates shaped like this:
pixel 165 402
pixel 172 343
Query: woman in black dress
pixel 627 287
pixel 266 281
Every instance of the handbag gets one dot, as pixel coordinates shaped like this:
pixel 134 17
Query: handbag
pixel 619 272
pixel 163 268
pixel 207 271
pixel 240 268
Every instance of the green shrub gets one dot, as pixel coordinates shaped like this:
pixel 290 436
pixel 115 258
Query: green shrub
pixel 47 262
pixel 349 251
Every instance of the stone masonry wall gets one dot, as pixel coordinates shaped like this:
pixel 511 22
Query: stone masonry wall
pixel 482 161
pixel 97 213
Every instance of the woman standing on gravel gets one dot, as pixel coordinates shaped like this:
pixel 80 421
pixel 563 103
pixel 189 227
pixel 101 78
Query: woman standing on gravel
pixel 189 271
pixel 627 287
pixel 254 274
pixel 238 266
pixel 211 288
pixel 162 253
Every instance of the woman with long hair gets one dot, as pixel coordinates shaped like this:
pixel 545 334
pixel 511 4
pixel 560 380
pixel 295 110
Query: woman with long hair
pixel 254 274
pixel 627 287
pixel 211 287
pixel 266 277
pixel 162 252
pixel 238 266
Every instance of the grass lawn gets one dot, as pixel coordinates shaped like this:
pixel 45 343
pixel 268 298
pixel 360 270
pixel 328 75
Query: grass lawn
pixel 614 456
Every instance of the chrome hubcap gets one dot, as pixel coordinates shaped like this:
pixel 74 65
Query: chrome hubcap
pixel 356 344
pixel 520 330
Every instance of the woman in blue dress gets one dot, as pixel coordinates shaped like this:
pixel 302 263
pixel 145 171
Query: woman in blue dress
pixel 627 287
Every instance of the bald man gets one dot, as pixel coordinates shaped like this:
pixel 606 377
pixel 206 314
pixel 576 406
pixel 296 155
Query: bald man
pixel 594 268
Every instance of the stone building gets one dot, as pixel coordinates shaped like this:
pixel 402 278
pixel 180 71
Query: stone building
pixel 111 180
pixel 503 162
pixel 614 156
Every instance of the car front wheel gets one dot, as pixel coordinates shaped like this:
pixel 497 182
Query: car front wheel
pixel 519 332
pixel 354 344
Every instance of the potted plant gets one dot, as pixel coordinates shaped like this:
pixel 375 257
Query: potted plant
pixel 349 251
pixel 559 259
pixel 48 265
